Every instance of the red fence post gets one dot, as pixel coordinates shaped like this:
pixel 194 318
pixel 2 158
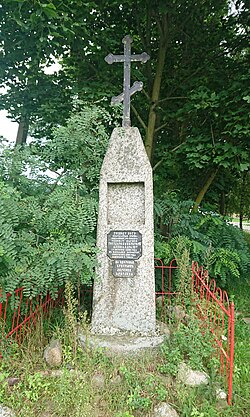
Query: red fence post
pixel 1 305
pixel 231 363
pixel 20 322
pixel 214 314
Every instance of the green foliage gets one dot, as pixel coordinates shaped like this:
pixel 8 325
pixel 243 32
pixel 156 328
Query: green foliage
pixel 225 264
pixel 71 319
pixel 37 29
pixel 202 148
pixel 228 256
pixel 163 251
pixel 48 225
pixel 79 147
pixel 35 387
pixel 208 237
pixel 43 245
pixel 189 344
pixel 181 254
pixel 247 239
pixel 142 393
pixel 239 196
pixel 3 384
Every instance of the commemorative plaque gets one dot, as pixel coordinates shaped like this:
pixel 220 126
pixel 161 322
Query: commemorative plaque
pixel 124 268
pixel 124 244
pixel 124 247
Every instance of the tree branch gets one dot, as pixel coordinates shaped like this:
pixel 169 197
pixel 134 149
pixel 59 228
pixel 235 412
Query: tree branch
pixel 161 127
pixel 158 22
pixel 139 117
pixel 146 94
pixel 157 164
pixel 57 181
pixel 212 134
pixel 204 189
pixel 177 147
pixel 161 160
pixel 171 98
pixel 186 79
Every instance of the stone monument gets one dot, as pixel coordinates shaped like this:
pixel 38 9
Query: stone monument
pixel 124 290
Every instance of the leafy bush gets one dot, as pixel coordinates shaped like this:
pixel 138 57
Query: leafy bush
pixel 187 344
pixel 42 246
pixel 48 222
pixel 79 147
pixel 209 238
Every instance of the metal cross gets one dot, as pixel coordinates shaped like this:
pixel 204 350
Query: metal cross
pixel 128 91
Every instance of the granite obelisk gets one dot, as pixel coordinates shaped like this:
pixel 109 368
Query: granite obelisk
pixel 124 290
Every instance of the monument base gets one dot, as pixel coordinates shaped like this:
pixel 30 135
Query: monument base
pixel 122 344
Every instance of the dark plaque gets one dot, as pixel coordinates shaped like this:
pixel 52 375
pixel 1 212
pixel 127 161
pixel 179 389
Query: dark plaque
pixel 124 268
pixel 124 244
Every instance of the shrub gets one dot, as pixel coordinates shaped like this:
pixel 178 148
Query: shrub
pixel 48 224
pixel 211 241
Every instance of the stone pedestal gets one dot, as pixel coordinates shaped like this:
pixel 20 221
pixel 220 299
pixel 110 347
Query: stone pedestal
pixel 124 290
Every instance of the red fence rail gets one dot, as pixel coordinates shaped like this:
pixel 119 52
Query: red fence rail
pixel 19 314
pixel 212 306
pixel 166 281
pixel 217 314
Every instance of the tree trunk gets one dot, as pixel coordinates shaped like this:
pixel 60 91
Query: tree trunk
pixel 149 141
pixel 242 194
pixel 241 220
pixel 204 189
pixel 22 132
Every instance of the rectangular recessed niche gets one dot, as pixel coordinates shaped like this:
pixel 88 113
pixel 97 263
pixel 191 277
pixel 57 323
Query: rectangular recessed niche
pixel 126 203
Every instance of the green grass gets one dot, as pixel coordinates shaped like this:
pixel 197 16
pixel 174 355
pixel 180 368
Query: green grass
pixel 241 381
pixel 132 386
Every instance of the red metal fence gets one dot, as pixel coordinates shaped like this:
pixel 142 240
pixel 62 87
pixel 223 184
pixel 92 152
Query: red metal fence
pixel 211 303
pixel 165 280
pixel 213 308
pixel 217 314
pixel 19 314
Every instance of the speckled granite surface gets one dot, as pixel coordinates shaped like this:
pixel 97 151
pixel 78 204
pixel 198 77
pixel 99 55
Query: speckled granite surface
pixel 123 304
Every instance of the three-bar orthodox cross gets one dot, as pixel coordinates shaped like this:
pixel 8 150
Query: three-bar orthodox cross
pixel 128 91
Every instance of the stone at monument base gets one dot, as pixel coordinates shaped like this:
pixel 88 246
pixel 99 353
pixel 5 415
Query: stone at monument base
pixel 122 344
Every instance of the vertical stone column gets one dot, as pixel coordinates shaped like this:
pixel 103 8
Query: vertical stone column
pixel 124 290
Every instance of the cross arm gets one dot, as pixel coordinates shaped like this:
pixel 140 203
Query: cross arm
pixel 111 58
pixel 137 86
pixel 144 57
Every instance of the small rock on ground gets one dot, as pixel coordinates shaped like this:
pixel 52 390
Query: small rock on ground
pixel 223 405
pixel 116 380
pixel 163 328
pixel 167 380
pixel 12 381
pixel 190 377
pixel 6 412
pixel 220 394
pixel 53 353
pixel 52 373
pixel 164 410
pixel 246 320
pixel 98 380
pixel 179 313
